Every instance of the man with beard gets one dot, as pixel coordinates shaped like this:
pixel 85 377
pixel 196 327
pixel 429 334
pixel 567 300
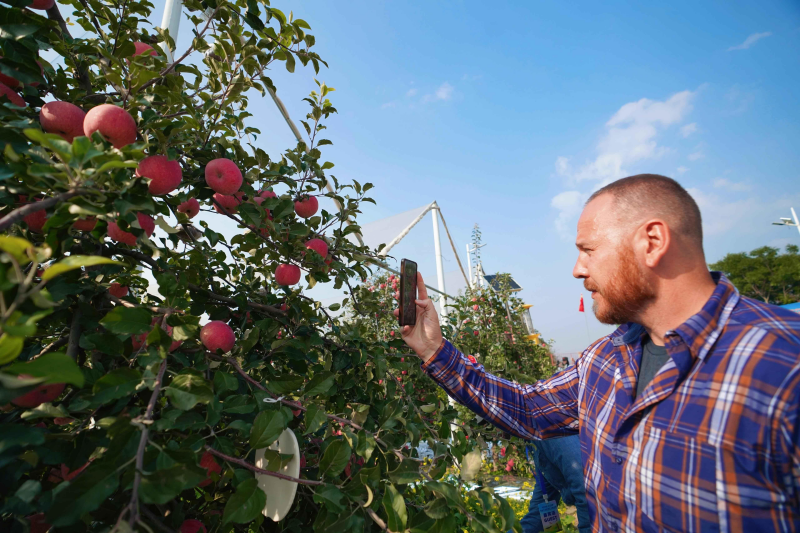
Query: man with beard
pixel 688 413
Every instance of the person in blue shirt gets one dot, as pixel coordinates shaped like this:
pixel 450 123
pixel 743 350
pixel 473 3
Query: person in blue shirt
pixel 559 460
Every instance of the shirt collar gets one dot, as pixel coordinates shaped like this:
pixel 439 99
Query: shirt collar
pixel 701 330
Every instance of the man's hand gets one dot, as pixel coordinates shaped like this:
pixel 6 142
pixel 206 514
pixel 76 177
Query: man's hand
pixel 425 336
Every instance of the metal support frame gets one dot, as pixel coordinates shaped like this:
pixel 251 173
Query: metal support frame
pixel 171 21
pixel 438 252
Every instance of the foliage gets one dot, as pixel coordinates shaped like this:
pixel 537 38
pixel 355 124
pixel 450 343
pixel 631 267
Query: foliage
pixel 144 438
pixel 764 274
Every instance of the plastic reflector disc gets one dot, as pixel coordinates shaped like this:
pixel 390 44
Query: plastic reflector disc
pixel 280 493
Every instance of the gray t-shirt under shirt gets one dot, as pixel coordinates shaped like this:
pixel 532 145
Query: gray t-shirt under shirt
pixel 653 358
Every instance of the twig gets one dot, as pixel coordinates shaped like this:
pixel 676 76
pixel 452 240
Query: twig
pixel 55 345
pixel 257 470
pixel 160 310
pixel 137 479
pixel 74 334
pixel 21 212
pixel 377 519
pixel 156 521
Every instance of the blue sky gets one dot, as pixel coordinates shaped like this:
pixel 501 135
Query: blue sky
pixel 510 114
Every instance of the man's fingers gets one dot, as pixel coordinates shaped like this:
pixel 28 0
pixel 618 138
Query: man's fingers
pixel 396 312
pixel 422 291
pixel 406 330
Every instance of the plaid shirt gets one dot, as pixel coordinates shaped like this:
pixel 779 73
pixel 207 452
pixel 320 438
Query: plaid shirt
pixel 710 445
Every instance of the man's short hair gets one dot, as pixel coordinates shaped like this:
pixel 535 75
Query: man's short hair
pixel 646 195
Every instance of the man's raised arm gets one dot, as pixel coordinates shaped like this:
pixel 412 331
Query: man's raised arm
pixel 546 409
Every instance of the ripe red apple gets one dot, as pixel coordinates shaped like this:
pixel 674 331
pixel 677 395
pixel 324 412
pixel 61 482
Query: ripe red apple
pixel 114 123
pixel 391 333
pixel 227 202
pixel 287 274
pixel 472 359
pixel 165 175
pixel 217 335
pixel 115 289
pixel 307 207
pixel 145 221
pixel 223 176
pixel 208 462
pixel 41 394
pixel 63 118
pixel 475 333
pixel 403 372
pixel 42 4
pixel 139 340
pixel 36 220
pixel 191 207
pixel 402 359
pixel 192 526
pixel 13 97
pixel 475 307
pixel 85 224
pixel 319 246
pixel 142 48
pixel 263 195
pixel 37 523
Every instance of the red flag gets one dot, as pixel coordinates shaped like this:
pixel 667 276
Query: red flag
pixel 580 307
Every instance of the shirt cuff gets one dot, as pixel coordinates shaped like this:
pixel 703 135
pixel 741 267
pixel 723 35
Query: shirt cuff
pixel 441 360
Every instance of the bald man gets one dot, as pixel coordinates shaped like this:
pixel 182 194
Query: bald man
pixel 688 412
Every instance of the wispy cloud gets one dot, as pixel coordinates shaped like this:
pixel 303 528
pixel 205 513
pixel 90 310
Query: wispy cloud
pixel 694 156
pixel 688 129
pixel 750 41
pixel 444 92
pixel 569 205
pixel 681 170
pixel 724 183
pixel 630 137
pixel 387 105
pixel 411 92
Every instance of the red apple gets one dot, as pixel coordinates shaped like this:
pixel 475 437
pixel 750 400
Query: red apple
pixel 474 307
pixel 42 4
pixel 63 420
pixel 191 207
pixel 217 335
pixel 307 207
pixel 192 526
pixel 472 359
pixel 139 340
pixel 145 221
pixel 263 195
pixel 114 124
pixel 223 176
pixel 85 224
pixel 63 118
pixel 287 274
pixel 165 175
pixel 142 48
pixel 37 523
pixel 403 371
pixel 208 462
pixel 391 333
pixel 475 333
pixel 115 289
pixel 319 246
pixel 13 97
pixel 41 394
pixel 36 220
pixel 226 202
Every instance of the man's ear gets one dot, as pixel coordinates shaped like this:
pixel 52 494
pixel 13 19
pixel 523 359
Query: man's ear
pixel 656 239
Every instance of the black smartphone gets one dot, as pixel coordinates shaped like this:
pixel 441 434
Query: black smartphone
pixel 408 293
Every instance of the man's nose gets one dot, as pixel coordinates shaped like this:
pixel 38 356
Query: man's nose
pixel 579 270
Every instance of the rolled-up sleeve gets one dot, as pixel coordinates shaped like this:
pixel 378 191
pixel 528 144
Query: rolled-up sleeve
pixel 546 409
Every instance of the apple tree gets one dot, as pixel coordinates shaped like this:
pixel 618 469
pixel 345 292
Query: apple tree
pixel 145 356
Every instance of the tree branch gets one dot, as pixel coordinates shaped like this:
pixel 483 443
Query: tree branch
pixel 257 470
pixel 21 212
pixel 377 519
pixel 74 334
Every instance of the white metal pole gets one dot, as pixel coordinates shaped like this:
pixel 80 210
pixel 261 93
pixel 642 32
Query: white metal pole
pixel 438 250
pixel 796 222
pixel 469 262
pixel 171 22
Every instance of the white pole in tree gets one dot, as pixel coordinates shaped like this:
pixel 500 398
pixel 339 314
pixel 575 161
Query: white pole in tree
pixel 438 251
pixel 796 221
pixel 469 262
pixel 171 21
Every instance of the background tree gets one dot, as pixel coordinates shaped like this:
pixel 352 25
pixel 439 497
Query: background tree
pixel 119 412
pixel 764 274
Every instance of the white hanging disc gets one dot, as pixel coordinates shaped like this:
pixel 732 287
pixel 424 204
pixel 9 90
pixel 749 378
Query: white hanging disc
pixel 280 493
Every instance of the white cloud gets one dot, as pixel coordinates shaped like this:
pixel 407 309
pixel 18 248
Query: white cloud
pixel 444 92
pixel 410 93
pixel 688 129
pixel 681 170
pixel 569 205
pixel 720 216
pixel 724 183
pixel 694 156
pixel 631 137
pixel 750 41
pixel 563 167
pixel 388 105
pixel 740 100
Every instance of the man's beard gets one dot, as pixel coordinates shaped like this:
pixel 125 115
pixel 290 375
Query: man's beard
pixel 627 292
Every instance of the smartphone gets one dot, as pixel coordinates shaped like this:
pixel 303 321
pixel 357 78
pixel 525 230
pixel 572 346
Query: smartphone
pixel 408 293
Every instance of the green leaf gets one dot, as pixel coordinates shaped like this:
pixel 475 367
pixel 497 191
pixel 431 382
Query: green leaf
pixel 224 381
pixel 10 347
pixel 13 435
pixel 267 427
pixel 16 247
pixel 127 320
pixel 118 383
pixel 246 503
pixel 284 384
pixel 438 508
pixel 319 384
pixel 470 465
pixel 314 418
pixel 54 367
pixel 366 444
pixel 290 62
pixel 335 458
pixel 164 485
pixel 76 261
pixel 406 472
pixel 330 496
pixel 189 388
pixel 17 32
pixel 395 508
